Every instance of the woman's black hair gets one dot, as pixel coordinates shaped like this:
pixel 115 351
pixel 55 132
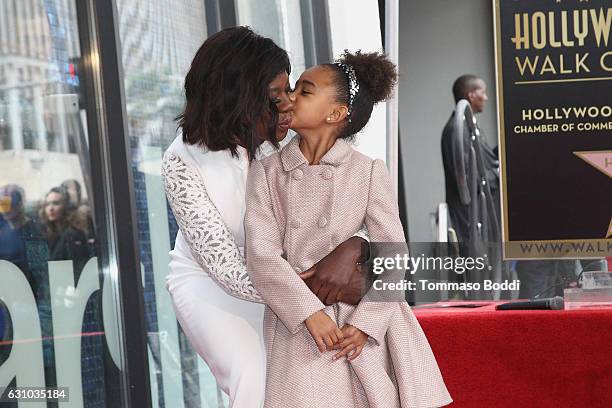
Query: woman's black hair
pixel 376 76
pixel 227 91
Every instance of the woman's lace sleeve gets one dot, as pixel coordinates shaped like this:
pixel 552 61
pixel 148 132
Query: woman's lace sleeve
pixel 212 244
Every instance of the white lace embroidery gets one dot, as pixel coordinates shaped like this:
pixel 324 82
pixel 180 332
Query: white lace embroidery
pixel 211 243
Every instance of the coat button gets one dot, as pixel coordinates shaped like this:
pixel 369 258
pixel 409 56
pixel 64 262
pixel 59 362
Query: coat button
pixel 327 174
pixel 298 174
pixel 295 223
pixel 322 222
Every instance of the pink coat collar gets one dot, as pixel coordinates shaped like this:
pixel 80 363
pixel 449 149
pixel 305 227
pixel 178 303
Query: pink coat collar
pixel 292 157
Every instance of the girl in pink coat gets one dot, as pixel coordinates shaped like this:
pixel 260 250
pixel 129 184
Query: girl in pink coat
pixel 301 203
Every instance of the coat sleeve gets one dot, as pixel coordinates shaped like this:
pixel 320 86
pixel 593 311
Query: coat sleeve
pixel 210 241
pixel 374 314
pixel 274 278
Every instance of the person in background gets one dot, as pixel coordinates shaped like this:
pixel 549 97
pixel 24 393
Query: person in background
pixel 471 172
pixel 542 278
pixel 21 239
pixel 65 239
pixel 474 90
pixel 23 243
pixel 81 213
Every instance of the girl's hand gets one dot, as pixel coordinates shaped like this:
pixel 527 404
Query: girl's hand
pixel 354 340
pixel 323 330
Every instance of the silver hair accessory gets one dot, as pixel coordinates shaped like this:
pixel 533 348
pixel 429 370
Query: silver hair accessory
pixel 353 85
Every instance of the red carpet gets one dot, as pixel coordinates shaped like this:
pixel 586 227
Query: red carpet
pixel 523 358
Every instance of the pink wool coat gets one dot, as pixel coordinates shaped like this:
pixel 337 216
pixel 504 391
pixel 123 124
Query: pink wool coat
pixel 296 214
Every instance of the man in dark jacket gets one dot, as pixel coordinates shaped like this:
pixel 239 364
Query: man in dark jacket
pixel 468 160
pixel 472 184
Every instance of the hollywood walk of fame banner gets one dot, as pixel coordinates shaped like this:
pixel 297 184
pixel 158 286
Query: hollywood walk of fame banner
pixel 554 87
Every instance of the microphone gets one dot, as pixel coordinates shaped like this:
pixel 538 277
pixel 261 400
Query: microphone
pixel 555 303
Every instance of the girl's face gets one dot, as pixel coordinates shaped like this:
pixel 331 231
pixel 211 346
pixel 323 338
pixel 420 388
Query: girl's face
pixel 279 90
pixel 54 207
pixel 314 100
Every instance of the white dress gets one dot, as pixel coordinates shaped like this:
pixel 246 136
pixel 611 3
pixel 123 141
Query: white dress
pixel 213 298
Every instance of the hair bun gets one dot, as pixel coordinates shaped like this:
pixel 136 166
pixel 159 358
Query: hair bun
pixel 374 71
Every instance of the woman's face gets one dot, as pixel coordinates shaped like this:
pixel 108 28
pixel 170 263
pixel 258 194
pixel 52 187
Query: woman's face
pixel 313 99
pixel 278 91
pixel 54 207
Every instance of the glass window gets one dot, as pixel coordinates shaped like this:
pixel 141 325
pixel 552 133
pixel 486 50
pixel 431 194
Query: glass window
pixel 53 331
pixel 279 20
pixel 159 38
pixel 354 28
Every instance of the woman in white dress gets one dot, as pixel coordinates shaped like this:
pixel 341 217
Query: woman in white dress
pixel 237 98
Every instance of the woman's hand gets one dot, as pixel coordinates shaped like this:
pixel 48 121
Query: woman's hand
pixel 340 276
pixel 354 340
pixel 323 330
